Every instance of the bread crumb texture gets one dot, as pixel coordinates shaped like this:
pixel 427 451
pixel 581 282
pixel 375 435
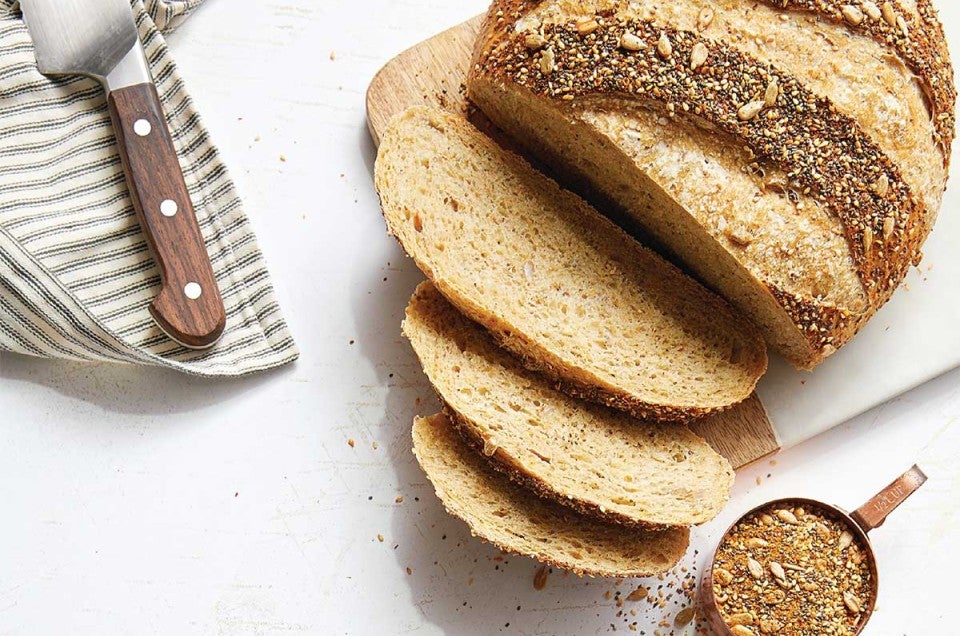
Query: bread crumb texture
pixel 515 520
pixel 556 282
pixel 596 460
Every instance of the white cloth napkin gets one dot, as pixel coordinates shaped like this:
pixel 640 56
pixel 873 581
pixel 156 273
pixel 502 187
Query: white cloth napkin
pixel 76 276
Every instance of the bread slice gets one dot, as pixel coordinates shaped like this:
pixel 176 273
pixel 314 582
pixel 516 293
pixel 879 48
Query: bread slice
pixel 554 281
pixel 596 460
pixel 517 521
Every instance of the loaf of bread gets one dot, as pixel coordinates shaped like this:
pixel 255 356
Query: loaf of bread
pixel 517 521
pixel 793 153
pixel 554 281
pixel 599 461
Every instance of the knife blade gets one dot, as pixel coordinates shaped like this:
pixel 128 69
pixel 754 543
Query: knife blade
pixel 99 38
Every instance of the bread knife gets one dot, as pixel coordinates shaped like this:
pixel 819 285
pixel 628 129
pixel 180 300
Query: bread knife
pixel 98 38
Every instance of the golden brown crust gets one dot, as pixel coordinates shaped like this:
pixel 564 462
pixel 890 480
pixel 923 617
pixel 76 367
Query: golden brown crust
pixel 532 358
pixel 825 153
pixel 817 318
pixel 542 556
pixel 919 43
pixel 505 464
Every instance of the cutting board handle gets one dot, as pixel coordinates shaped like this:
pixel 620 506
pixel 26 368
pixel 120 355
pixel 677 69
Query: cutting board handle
pixel 189 307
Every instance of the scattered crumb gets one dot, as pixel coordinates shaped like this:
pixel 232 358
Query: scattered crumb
pixel 257 138
pixel 399 499
pixel 638 594
pixel 409 570
pixel 283 158
pixel 540 578
pixel 684 617
pixel 333 55
pixel 351 443
pixel 376 446
pixel 380 538
pixel 773 462
pixel 759 480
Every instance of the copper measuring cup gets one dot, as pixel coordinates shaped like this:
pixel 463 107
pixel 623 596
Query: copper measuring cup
pixel 864 519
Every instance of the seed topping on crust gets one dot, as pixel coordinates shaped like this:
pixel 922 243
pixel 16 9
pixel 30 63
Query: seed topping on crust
pixel 825 154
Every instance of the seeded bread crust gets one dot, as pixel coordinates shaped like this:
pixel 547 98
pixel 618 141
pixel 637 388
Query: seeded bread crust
pixel 516 521
pixel 612 61
pixel 721 354
pixel 916 38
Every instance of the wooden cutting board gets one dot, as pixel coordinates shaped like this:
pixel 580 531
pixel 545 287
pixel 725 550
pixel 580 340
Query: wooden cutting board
pixel 911 340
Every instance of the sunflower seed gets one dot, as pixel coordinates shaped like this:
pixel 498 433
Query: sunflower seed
pixel 534 41
pixel 902 25
pixel 698 55
pixel 881 186
pixel 685 616
pixel 852 14
pixel 846 538
pixel 852 602
pixel 777 570
pixel 548 62
pixel 772 93
pixel 787 516
pixel 632 42
pixel 586 27
pixel 888 224
pixel 888 13
pixel 664 47
pixel 750 110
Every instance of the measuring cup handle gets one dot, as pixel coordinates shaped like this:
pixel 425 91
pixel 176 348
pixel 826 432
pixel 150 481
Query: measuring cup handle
pixel 873 513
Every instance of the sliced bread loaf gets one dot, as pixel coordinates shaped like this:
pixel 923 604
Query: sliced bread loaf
pixel 518 521
pixel 799 185
pixel 599 461
pixel 554 281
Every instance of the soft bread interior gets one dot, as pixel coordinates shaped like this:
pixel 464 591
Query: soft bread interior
pixel 556 282
pixel 515 520
pixel 597 460
pixel 588 157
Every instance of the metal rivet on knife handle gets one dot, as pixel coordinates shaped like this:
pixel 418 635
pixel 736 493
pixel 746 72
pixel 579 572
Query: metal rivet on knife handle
pixel 142 127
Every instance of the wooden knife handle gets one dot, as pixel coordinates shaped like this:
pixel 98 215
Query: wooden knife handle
pixel 189 307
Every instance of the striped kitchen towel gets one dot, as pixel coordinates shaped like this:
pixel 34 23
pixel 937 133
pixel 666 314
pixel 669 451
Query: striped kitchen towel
pixel 76 276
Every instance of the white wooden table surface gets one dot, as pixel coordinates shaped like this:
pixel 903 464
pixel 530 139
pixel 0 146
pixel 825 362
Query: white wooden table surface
pixel 135 501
